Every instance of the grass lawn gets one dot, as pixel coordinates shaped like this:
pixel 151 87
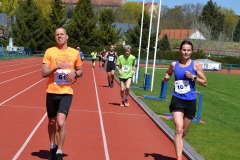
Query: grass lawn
pixel 218 137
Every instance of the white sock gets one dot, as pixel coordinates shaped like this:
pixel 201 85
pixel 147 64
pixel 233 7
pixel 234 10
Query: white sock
pixel 59 151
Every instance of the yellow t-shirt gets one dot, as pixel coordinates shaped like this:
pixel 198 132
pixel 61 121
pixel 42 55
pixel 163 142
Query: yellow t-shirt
pixel 54 56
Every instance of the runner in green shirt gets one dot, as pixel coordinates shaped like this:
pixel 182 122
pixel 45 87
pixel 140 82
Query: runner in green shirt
pixel 94 56
pixel 125 66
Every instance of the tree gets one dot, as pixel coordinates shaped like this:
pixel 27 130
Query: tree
pixel 106 33
pixel 212 16
pixel 132 36
pixel 230 22
pixel 9 7
pixel 236 34
pixel 164 44
pixel 190 13
pixel 173 18
pixel 128 13
pixel 56 18
pixel 82 26
pixel 44 6
pixel 204 29
pixel 29 29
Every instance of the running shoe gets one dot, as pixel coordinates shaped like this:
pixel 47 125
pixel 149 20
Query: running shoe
pixel 52 155
pixel 59 156
pixel 111 85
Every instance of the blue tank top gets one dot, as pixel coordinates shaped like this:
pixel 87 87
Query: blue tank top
pixel 184 88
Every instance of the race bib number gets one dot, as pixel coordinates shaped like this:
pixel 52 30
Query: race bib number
pixel 125 68
pixel 110 59
pixel 60 76
pixel 182 86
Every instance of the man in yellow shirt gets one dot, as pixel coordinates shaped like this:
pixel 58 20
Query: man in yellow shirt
pixel 62 65
pixel 93 56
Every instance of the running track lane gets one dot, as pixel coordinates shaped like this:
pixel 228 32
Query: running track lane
pixel 129 133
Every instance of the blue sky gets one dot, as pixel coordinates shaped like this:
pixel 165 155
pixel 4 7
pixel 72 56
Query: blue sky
pixel 230 4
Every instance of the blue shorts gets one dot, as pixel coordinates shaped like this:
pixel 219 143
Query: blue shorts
pixel 58 103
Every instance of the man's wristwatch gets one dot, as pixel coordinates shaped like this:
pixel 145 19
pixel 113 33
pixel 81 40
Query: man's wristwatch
pixel 194 78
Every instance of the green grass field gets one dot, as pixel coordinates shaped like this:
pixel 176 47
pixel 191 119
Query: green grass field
pixel 218 137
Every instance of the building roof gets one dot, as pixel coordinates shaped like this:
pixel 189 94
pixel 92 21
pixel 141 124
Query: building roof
pixel 99 2
pixel 182 34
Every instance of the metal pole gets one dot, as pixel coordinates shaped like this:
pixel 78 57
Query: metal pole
pixel 149 36
pixel 140 42
pixel 156 43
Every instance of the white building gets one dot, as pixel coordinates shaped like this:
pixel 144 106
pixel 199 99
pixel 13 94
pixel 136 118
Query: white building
pixel 209 64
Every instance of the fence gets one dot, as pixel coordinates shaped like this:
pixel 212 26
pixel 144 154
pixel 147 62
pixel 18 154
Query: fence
pixel 15 55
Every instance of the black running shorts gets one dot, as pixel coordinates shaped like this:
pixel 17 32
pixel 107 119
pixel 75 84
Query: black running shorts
pixel 110 67
pixel 188 106
pixel 124 80
pixel 58 103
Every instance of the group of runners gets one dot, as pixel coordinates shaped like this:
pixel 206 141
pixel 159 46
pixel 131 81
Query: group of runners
pixel 63 65
pixel 125 65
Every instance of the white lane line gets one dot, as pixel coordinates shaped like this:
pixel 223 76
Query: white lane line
pixel 101 120
pixel 14 61
pixel 29 138
pixel 18 64
pixel 20 92
pixel 24 107
pixel 19 68
pixel 113 113
pixel 34 130
pixel 19 76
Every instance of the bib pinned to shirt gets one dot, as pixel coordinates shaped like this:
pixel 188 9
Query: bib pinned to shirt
pixel 125 68
pixel 60 76
pixel 182 86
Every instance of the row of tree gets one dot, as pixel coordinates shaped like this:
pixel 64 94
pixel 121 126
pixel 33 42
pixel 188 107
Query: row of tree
pixel 36 20
pixel 35 30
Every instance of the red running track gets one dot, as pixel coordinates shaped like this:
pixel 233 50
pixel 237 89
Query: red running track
pixel 97 128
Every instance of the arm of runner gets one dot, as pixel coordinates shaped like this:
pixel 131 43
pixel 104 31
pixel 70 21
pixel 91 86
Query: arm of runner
pixel 201 78
pixel 78 72
pixel 105 57
pixel 169 72
pixel 46 70
pixel 133 67
pixel 117 67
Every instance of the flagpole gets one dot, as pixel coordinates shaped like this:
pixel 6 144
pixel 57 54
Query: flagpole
pixel 149 36
pixel 156 43
pixel 140 42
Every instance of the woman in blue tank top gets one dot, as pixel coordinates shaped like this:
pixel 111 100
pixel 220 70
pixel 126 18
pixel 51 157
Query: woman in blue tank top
pixel 187 72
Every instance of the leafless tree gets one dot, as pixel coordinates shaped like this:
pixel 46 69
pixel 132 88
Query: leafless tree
pixel 204 30
pixel 191 12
